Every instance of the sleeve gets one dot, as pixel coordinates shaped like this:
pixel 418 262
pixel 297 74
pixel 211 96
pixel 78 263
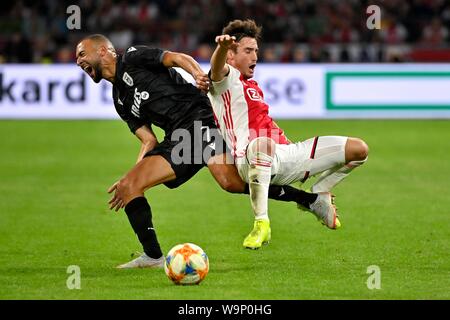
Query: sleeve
pixel 132 122
pixel 219 87
pixel 144 56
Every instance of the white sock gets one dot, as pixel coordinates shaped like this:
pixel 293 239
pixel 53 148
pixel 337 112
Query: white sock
pixel 259 175
pixel 330 178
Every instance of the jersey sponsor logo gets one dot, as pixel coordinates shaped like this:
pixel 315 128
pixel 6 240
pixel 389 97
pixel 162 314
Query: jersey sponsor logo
pixel 127 79
pixel 138 97
pixel 144 95
pixel 253 94
pixel 131 49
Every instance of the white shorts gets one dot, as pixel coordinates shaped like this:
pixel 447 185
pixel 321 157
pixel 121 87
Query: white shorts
pixel 297 162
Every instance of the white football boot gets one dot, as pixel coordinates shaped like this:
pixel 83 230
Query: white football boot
pixel 143 261
pixel 324 209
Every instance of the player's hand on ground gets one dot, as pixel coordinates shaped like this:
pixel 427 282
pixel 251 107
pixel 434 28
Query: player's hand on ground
pixel 226 41
pixel 116 202
pixel 202 81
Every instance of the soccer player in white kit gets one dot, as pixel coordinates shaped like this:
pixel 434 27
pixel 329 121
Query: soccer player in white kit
pixel 263 154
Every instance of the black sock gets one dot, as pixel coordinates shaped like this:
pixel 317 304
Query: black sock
pixel 140 216
pixel 288 193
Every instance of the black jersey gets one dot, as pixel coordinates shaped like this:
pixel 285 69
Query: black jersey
pixel 146 92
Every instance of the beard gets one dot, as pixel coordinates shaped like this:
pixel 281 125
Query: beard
pixel 97 72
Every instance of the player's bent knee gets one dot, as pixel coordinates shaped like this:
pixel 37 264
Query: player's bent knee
pixel 263 145
pixel 128 188
pixel 228 178
pixel 357 150
pixel 230 184
pixel 363 150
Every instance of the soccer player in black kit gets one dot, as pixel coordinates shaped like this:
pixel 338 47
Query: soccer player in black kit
pixel 147 90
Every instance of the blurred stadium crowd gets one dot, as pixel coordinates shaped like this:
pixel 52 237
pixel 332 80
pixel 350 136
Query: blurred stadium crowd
pixel 293 31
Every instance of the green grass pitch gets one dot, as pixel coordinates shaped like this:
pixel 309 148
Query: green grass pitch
pixel 53 214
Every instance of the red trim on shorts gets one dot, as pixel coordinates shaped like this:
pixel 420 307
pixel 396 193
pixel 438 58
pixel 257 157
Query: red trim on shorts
pixel 313 151
pixel 305 177
pixel 311 156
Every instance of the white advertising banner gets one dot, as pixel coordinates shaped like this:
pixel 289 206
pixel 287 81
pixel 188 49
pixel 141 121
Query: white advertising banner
pixel 387 90
pixel 293 91
pixel 53 91
pixel 391 91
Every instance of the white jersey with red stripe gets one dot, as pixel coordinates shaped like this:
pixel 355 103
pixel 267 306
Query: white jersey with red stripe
pixel 241 113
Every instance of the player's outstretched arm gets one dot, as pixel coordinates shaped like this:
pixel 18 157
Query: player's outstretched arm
pixel 187 63
pixel 218 67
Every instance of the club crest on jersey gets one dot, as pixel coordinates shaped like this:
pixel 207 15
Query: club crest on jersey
pixel 127 79
pixel 253 94
pixel 138 97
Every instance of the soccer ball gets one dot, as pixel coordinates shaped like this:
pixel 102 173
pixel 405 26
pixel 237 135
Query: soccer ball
pixel 186 264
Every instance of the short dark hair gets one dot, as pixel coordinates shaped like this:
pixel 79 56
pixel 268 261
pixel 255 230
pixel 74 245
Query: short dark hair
pixel 99 38
pixel 243 28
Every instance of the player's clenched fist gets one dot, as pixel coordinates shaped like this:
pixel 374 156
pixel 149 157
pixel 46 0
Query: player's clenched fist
pixel 202 81
pixel 225 40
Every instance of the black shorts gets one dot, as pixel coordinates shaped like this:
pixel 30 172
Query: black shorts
pixel 189 149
